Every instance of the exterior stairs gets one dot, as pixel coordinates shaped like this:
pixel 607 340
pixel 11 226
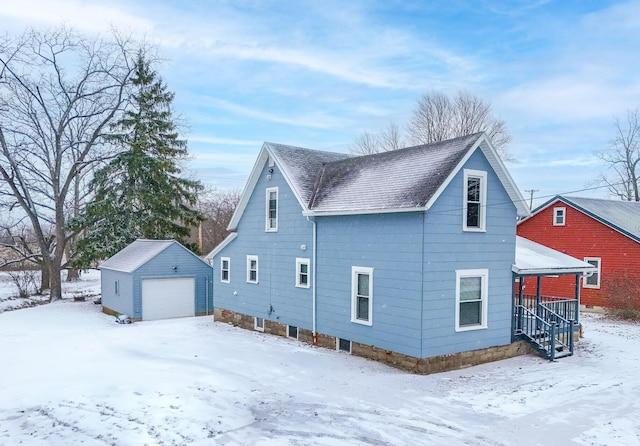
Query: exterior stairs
pixel 543 325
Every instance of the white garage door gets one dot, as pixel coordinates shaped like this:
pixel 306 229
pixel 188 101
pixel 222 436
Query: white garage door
pixel 166 298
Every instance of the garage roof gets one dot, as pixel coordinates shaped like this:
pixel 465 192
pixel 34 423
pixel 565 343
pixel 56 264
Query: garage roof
pixel 136 254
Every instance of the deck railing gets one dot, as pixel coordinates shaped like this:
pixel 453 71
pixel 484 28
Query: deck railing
pixel 566 308
pixel 549 332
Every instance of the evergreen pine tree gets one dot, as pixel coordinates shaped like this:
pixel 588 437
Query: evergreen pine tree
pixel 139 193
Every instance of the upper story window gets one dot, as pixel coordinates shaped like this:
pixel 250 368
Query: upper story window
pixel 472 289
pixel 592 281
pixel 559 216
pixel 225 269
pixel 252 269
pixel 475 197
pixel 302 273
pixel 361 295
pixel 272 209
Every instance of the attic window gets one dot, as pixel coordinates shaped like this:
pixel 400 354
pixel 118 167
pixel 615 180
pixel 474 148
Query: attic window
pixel 475 195
pixel 272 210
pixel 559 216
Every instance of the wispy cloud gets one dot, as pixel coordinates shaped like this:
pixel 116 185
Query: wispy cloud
pixel 81 15
pixel 317 120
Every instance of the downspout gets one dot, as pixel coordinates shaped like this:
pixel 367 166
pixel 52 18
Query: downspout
pixel 424 272
pixel 206 296
pixel 313 281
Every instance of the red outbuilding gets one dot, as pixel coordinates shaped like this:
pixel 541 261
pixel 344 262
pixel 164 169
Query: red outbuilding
pixel 604 233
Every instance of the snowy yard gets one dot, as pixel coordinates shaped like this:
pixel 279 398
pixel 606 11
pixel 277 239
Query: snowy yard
pixel 69 375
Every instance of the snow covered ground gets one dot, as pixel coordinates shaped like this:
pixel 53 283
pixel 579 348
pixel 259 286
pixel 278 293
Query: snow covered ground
pixel 88 287
pixel 69 375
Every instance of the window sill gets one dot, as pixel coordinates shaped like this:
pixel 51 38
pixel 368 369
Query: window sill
pixel 471 328
pixel 358 321
pixel 474 229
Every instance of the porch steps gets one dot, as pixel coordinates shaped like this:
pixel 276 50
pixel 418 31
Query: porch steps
pixel 550 334
pixel 542 344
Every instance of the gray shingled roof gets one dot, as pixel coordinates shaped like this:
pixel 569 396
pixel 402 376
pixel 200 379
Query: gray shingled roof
pixel 624 216
pixel 405 178
pixel 136 254
pixel 302 166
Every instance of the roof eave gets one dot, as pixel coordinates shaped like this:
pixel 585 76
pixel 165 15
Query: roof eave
pixel 315 213
pixel 221 246
pixel 551 271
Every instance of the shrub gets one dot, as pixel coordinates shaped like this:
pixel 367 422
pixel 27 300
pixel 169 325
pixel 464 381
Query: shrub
pixel 25 280
pixel 624 298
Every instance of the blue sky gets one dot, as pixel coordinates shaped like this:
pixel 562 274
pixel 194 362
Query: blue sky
pixel 317 73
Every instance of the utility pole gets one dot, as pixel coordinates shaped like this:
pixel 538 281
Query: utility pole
pixel 531 192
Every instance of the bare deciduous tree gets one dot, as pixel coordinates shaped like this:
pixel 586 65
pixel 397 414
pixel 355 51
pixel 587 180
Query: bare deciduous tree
pixel 59 92
pixel 218 208
pixel 367 142
pixel 438 118
pixel 623 157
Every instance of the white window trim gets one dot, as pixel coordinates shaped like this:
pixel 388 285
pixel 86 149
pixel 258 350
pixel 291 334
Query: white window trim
pixel 355 270
pixel 249 259
pixel 255 324
pixel 301 261
pixel 469 173
pixel 484 274
pixel 584 279
pixel 268 228
pixel 555 215
pixel 228 260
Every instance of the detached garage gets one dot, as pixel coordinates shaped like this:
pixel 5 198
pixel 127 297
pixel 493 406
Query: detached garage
pixel 156 279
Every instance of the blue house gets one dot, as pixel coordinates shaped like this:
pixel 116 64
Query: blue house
pixel 156 279
pixel 404 256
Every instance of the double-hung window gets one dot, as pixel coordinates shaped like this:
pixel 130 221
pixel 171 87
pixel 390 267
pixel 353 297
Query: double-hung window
pixel 225 269
pixel 302 273
pixel 559 216
pixel 592 281
pixel 272 210
pixel 362 295
pixel 252 269
pixel 475 196
pixel 472 289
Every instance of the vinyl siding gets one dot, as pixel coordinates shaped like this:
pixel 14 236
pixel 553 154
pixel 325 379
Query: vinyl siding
pixel 275 297
pixel 448 248
pixel 391 245
pixel 123 301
